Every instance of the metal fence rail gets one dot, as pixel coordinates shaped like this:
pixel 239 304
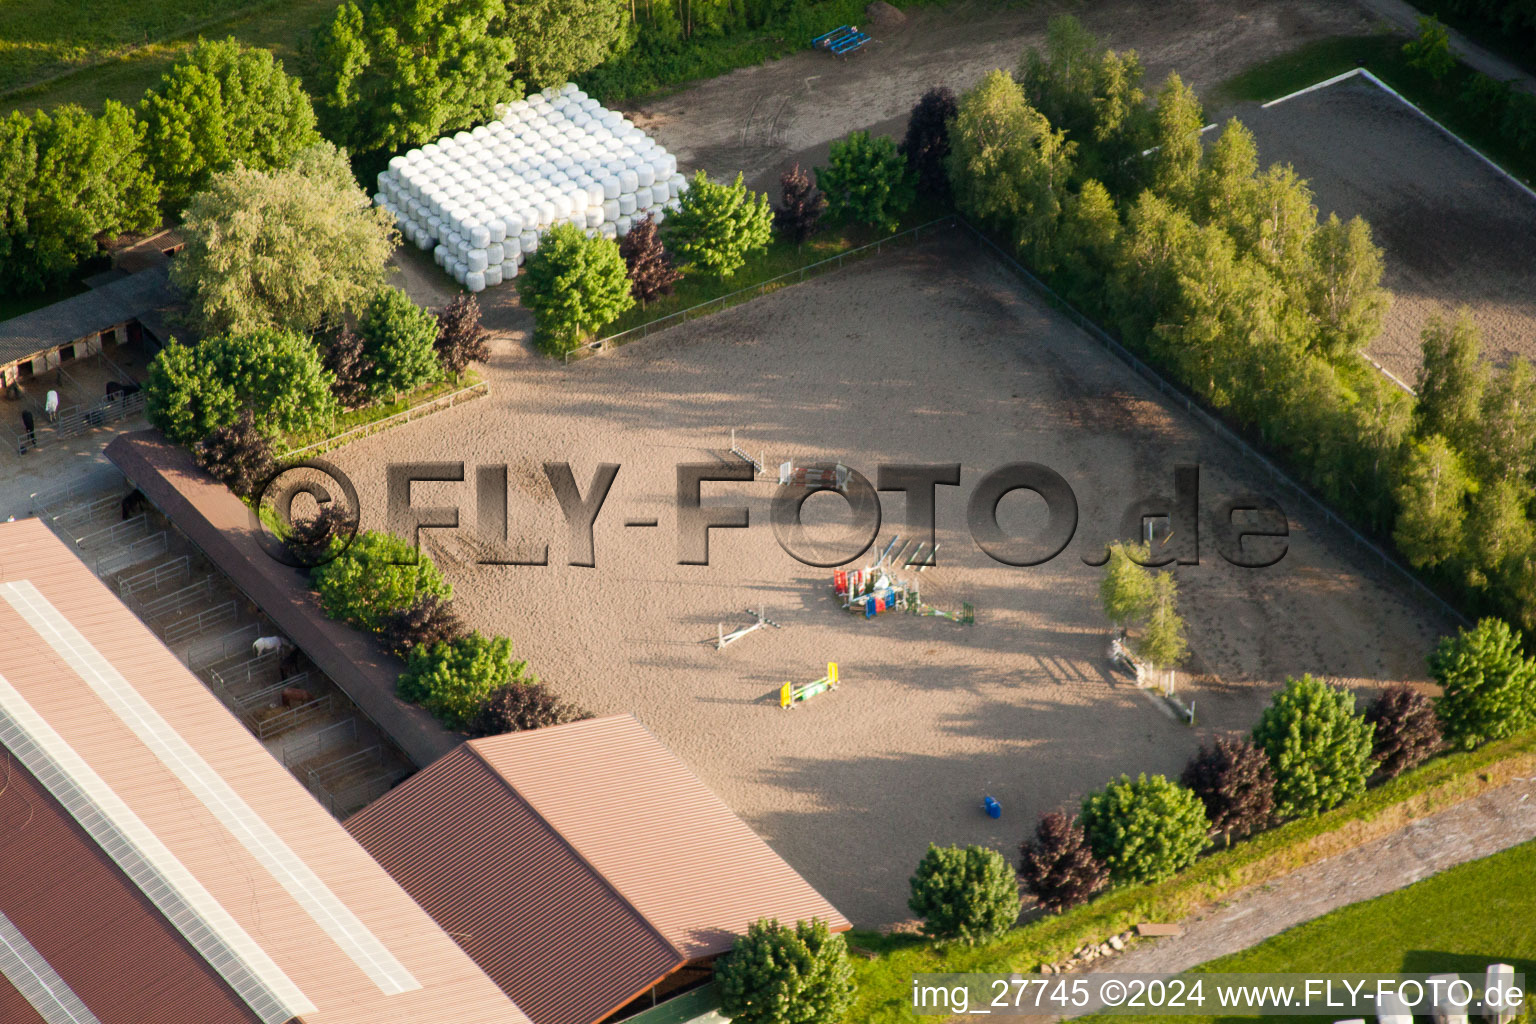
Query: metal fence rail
pixel 185 629
pixel 270 726
pixel 42 502
pixel 176 601
pixel 114 533
pixel 149 579
pixel 297 750
pixel 212 650
pixel 141 550
pixel 85 513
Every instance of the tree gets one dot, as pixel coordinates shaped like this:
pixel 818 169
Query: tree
pixel 399 343
pixel 1345 298
pixel 1430 51
pixel 1176 164
pixel 278 375
pixel 1319 748
pixel 238 455
pixel 1489 686
pixel 378 574
pixel 1007 166
pixel 453 678
pixel 312 540
pixel 287 249
pixel 650 269
pixel 555 39
pixel 347 361
pixel 1126 591
pixel 1432 503
pixel 1499 533
pixel 1505 446
pixel 573 284
pixel 1225 186
pixel 522 705
pixel 220 105
pixel 396 73
pixel 428 620
pixel 1162 641
pixel 775 974
pixel 802 207
pixel 866 181
pixel 68 178
pixel 1234 781
pixel 926 145
pixel 719 226
pixel 1407 729
pixel 1057 867
pixel 1146 829
pixel 1060 83
pixel 1451 381
pixel 1088 242
pixel 969 894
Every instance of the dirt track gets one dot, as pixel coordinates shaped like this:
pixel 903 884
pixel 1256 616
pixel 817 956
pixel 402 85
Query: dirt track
pixel 932 355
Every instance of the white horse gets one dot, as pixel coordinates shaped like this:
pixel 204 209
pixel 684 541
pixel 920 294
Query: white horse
pixel 51 406
pixel 268 645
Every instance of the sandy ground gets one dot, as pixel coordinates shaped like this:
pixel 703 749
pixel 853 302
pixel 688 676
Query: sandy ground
pixel 1455 232
pixel 929 354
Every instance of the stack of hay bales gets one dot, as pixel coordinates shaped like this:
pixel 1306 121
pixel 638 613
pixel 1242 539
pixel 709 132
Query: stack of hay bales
pixel 479 200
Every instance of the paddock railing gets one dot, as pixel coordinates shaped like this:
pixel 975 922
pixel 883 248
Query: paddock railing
pixel 427 408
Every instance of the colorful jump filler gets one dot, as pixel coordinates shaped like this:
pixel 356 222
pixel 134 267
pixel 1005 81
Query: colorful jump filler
pixel 876 588
pixel 790 694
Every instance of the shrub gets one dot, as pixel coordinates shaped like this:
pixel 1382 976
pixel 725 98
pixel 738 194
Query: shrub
pixel 1146 829
pixel 719 226
pixel 461 339
pixel 802 206
pixel 378 574
pixel 1162 641
pixel 926 145
pixel 780 975
pixel 1319 748
pixel 1430 51
pixel 650 269
pixel 428 620
pixel 289 248
pixel 238 455
pixel 968 894
pixel 1125 592
pixel 521 705
pixel 1234 781
pixel 866 181
pixel 1407 729
pixel 278 375
pixel 1489 685
pixel 1057 867
pixel 573 284
pixel 220 105
pixel 346 358
pixel 399 343
pixel 310 541
pixel 453 678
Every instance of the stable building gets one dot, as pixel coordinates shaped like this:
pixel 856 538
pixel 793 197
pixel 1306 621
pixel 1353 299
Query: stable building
pixel 157 864
pixel 582 866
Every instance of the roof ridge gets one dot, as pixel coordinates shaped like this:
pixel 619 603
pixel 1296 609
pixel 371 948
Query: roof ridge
pixel 575 852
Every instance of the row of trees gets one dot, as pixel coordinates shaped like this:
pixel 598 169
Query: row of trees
pixel 68 178
pixel 1224 274
pixel 468 681
pixel 1310 751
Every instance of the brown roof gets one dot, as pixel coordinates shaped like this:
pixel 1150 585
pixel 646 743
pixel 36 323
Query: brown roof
pixel 125 738
pixel 225 530
pixel 643 847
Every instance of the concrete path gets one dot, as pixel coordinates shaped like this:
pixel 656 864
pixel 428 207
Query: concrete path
pixel 1406 17
pixel 1477 828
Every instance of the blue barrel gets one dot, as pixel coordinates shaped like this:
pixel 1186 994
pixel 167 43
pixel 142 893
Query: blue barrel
pixel 994 809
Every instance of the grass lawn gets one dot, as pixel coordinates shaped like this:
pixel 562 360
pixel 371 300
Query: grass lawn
pixel 1383 56
pixel 354 418
pixel 1460 920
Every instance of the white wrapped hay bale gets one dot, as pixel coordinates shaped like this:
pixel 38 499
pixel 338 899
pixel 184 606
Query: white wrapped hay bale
pixel 476 260
pixel 474 281
pixel 492 275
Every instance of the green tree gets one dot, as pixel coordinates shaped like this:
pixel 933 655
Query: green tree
pixel 1505 446
pixel 573 284
pixel 866 181
pixel 1061 81
pixel 719 226
pixel 1225 186
pixel 966 894
pixel 1008 167
pixel 1162 642
pixel 1126 590
pixel 68 178
pixel 1451 380
pixel 220 105
pixel 1176 164
pixel 1088 242
pixel 1430 50
pixel 399 343
pixel 453 678
pixel 1488 686
pixel 1500 535
pixel 286 249
pixel 378 574
pixel 555 39
pixel 184 401
pixel 775 974
pixel 395 73
pixel 1345 297
pixel 1146 829
pixel 1432 503
pixel 1318 746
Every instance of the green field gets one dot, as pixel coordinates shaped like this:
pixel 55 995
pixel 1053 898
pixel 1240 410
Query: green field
pixel 1460 920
